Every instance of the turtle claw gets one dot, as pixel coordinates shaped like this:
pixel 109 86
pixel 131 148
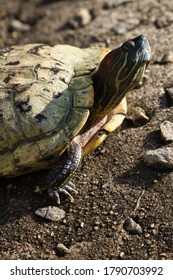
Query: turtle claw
pixel 70 187
pixel 66 191
pixel 54 194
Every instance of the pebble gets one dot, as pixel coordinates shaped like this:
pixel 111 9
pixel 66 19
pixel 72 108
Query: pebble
pixel 96 228
pixel 159 158
pixel 169 92
pixel 167 58
pixel 148 242
pixel 82 18
pixel 163 255
pixel 38 189
pixel 137 115
pixel 132 227
pixel 155 182
pixel 164 20
pixel 52 213
pixel 154 231
pixel 97 223
pixel 105 186
pixel 121 255
pixel 166 129
pixel 62 250
pixel 109 4
pixel 152 225
pixel 10 186
pixel 82 224
pixel 127 24
pixel 19 26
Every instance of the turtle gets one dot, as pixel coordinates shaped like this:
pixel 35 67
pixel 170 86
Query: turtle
pixel 59 103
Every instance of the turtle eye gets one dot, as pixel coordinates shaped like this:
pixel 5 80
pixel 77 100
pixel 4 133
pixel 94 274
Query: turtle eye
pixel 127 46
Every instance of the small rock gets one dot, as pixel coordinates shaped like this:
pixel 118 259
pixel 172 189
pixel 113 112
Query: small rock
pixel 105 186
pixel 148 242
pixel 169 92
pixel 159 158
pixel 132 227
pixel 166 129
pixel 164 20
pixel 109 4
pixel 155 182
pixel 137 115
pixel 62 250
pixel 96 228
pixel 121 255
pixel 123 26
pixel 155 231
pixel 82 224
pixel 167 58
pixel 19 26
pixel 163 256
pixel 83 18
pixel 152 225
pixel 97 223
pixel 10 186
pixel 52 213
pixel 38 189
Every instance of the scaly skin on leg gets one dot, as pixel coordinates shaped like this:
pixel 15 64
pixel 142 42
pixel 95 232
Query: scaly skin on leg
pixel 58 177
pixel 114 120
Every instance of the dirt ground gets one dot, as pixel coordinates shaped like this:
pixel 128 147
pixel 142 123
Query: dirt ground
pixel 113 182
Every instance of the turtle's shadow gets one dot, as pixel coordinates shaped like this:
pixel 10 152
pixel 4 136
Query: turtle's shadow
pixel 153 140
pixel 141 176
pixel 19 197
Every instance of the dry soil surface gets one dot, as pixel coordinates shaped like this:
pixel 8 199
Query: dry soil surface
pixel 113 182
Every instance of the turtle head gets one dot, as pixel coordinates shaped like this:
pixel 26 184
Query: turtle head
pixel 120 71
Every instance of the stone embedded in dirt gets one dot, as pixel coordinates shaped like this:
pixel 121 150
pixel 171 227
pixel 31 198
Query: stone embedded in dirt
pixel 121 255
pixel 132 227
pixel 165 20
pixel 52 213
pixel 20 26
pixel 38 189
pixel 166 130
pixel 167 58
pixel 137 115
pixel 160 158
pixel 9 186
pixel 109 4
pixel 83 18
pixel 127 24
pixel 169 92
pixel 163 256
pixel 62 250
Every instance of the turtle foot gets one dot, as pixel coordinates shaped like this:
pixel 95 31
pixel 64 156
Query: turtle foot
pixel 67 191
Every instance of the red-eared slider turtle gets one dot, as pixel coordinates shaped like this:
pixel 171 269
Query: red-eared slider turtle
pixel 59 103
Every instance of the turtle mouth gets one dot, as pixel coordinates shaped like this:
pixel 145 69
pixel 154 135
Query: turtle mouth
pixel 144 50
pixel 146 55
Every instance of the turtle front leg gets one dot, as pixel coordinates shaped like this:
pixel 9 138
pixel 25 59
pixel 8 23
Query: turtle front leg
pixel 59 176
pixel 114 120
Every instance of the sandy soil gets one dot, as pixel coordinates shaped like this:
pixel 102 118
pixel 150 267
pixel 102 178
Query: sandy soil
pixel 113 182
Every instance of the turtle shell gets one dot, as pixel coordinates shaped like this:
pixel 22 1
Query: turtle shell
pixel 45 98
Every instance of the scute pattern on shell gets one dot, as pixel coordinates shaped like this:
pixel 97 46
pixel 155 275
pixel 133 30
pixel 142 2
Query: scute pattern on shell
pixel 45 96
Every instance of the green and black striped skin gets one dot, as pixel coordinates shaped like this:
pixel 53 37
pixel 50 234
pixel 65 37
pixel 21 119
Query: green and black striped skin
pixel 119 72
